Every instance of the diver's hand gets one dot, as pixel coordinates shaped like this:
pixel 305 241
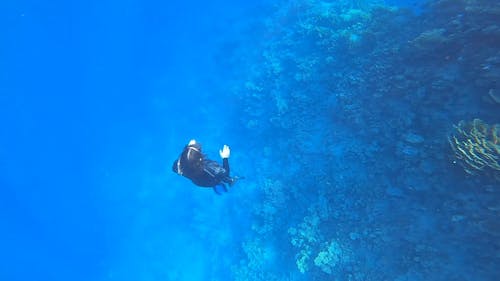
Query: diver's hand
pixel 225 152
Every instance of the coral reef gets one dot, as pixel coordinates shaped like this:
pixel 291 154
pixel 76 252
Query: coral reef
pixel 477 146
pixel 305 237
pixel 355 98
pixel 258 258
pixel 312 248
pixel 329 258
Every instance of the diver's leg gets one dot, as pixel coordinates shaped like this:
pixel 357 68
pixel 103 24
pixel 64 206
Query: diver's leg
pixel 218 189
pixel 228 180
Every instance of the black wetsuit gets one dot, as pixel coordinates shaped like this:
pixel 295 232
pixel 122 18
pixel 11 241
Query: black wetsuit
pixel 193 165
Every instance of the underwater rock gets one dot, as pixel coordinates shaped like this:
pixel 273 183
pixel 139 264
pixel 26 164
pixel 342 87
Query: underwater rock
pixel 394 192
pixel 408 150
pixel 492 30
pixel 430 39
pixel 354 236
pixel 494 95
pixel 457 218
pixel 428 166
pixel 355 15
pixel 413 138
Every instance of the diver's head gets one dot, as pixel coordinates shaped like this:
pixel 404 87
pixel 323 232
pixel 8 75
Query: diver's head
pixel 194 144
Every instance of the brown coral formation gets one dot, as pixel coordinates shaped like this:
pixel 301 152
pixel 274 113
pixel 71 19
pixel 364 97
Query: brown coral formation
pixel 477 146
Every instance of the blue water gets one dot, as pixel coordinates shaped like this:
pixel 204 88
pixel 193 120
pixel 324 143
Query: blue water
pixel 338 114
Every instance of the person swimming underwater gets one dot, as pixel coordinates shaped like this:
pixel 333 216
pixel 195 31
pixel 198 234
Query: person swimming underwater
pixel 204 172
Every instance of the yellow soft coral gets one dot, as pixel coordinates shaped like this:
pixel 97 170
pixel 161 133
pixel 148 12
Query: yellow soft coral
pixel 477 146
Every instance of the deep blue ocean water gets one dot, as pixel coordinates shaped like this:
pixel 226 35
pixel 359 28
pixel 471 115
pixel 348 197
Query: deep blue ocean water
pixel 341 115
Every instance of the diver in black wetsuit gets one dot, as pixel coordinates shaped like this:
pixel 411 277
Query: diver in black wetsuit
pixel 193 165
